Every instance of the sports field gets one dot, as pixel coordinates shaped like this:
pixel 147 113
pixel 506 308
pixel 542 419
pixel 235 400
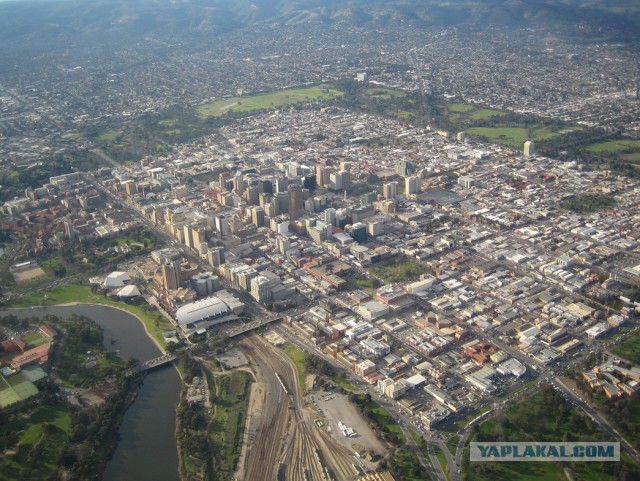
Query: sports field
pixel 16 388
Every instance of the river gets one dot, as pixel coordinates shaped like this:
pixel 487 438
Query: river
pixel 147 446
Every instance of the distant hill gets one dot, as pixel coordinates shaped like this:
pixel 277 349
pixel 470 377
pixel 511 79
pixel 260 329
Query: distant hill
pixel 125 20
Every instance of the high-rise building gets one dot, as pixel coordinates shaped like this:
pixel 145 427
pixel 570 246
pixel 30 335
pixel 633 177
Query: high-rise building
pixel 529 148
pixel 281 184
pixel 323 175
pixel 358 232
pixel 283 244
pixel 390 190
pixel 222 224
pixel 197 237
pixel 187 236
pixel 171 276
pixel 215 256
pixel 296 201
pixel 204 284
pixel 257 216
pixel 401 167
pixel 412 185
pixel 203 249
pixel 260 289
pixel 330 216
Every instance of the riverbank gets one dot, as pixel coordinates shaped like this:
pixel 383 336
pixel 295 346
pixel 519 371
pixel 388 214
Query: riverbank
pixel 73 294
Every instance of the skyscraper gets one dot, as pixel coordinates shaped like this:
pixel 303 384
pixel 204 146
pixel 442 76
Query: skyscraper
pixel 296 201
pixel 412 185
pixel 390 190
pixel 529 148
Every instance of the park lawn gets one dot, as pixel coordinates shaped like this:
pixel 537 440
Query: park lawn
pixel 458 112
pixel 155 322
pixel 629 349
pixel 384 93
pixel 403 271
pixel 543 416
pixel 512 136
pixel 231 404
pixel 266 101
pixel 109 135
pixel 72 135
pixel 31 431
pixel 614 146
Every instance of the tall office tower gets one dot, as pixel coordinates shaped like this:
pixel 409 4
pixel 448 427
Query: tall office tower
pixel 390 190
pixel 358 232
pixel 368 197
pixel 330 216
pixel 203 249
pixel 257 216
pixel 412 184
pixel 264 199
pixel 215 256
pixel 529 148
pixel 310 182
pixel 281 184
pixel 296 201
pixel 197 237
pixel 187 236
pixel 401 167
pixel 267 186
pixel 323 175
pixel 222 224
pixel 335 181
pixel 283 244
pixel 238 184
pixel 252 195
pixel 171 275
pixel 345 166
pixel 280 200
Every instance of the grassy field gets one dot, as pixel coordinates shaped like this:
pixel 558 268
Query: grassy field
pixel 109 136
pixel 384 93
pixel 299 358
pixel 231 404
pixel 615 146
pixel 512 136
pixel 543 416
pixel 34 339
pixel 457 112
pixel 399 272
pixel 266 101
pixel 588 203
pixel 629 349
pixel 155 323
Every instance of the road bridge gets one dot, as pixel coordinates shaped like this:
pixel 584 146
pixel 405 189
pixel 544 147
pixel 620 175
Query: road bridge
pixel 250 326
pixel 157 362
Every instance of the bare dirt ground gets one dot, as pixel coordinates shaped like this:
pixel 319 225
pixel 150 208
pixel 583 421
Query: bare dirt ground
pixel 336 407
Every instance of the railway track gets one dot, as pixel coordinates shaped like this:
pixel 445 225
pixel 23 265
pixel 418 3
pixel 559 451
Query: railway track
pixel 298 450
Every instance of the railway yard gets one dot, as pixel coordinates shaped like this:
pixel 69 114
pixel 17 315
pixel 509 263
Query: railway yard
pixel 285 440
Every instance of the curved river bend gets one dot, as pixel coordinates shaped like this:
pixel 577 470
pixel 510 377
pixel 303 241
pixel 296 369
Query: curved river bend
pixel 147 447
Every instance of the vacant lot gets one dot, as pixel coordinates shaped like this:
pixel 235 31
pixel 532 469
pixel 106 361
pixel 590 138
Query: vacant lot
pixel 337 407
